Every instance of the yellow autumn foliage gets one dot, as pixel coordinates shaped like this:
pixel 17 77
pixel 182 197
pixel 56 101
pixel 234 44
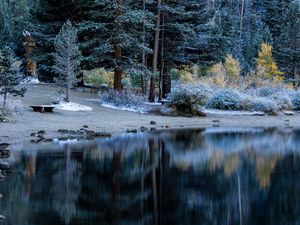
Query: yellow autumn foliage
pixel 233 68
pixel 267 62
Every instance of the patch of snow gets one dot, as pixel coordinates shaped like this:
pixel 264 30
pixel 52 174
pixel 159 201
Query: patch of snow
pixel 232 112
pixel 72 106
pixel 130 109
pixel 153 103
pixel 30 80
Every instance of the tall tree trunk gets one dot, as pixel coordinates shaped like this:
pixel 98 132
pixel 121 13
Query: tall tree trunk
pixel 118 52
pixel 68 93
pixel 166 86
pixel 155 54
pixel 118 71
pixel 162 66
pixel 4 97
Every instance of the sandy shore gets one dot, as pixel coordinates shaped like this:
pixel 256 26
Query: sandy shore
pixel 111 120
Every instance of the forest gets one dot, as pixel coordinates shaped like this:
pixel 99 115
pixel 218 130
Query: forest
pixel 150 45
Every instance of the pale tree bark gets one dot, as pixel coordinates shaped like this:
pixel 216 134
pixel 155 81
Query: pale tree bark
pixel 155 53
pixel 162 66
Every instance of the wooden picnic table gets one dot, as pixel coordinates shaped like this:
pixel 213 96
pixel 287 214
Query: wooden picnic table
pixel 43 108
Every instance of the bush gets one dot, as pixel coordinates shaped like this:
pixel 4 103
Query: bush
pixel 296 101
pixel 261 104
pixel 96 77
pixel 5 115
pixel 187 98
pixel 283 100
pixel 125 98
pixel 226 99
pixel 267 91
pixel 9 110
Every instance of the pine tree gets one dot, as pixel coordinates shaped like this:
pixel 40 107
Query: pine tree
pixel 288 43
pixel 67 57
pixel 9 76
pixel 48 18
pixel 6 24
pixel 266 61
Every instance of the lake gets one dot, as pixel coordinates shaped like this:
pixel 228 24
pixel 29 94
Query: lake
pixel 202 176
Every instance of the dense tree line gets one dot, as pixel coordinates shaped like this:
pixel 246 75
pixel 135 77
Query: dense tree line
pixel 147 38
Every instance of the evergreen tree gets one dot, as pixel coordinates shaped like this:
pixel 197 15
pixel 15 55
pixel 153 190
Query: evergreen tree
pixel 48 18
pixel 6 23
pixel 67 57
pixel 288 43
pixel 9 76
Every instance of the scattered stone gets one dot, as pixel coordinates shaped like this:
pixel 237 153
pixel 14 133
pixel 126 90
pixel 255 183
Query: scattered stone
pixel 85 126
pixel 40 136
pixel 132 130
pixel 103 134
pixel 2 218
pixel 216 121
pixel 33 134
pixel 72 132
pixel 4 166
pixel 153 129
pixel 48 140
pixel 216 125
pixel 4 145
pixel 4 153
pixel 41 132
pixel 152 122
pixel 167 126
pixel 143 129
pixel 64 131
pixel 289 113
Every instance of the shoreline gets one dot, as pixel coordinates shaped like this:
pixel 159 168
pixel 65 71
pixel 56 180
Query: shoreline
pixel 102 119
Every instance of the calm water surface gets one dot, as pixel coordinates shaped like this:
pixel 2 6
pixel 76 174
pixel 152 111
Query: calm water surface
pixel 213 176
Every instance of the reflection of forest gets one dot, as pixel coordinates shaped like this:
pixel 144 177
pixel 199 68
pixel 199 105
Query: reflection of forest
pixel 183 177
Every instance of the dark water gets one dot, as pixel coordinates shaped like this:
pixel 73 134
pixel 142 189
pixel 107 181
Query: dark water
pixel 185 177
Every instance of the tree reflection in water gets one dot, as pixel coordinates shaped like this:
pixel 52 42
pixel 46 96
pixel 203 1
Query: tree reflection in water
pixel 183 177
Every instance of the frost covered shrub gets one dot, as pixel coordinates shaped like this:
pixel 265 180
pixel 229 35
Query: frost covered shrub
pixel 124 98
pixel 5 114
pixel 266 91
pixel 187 98
pixel 10 109
pixel 263 105
pixel 296 101
pixel 226 99
pixel 283 100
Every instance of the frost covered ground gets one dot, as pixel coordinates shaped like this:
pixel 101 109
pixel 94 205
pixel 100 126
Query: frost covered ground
pixel 112 120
